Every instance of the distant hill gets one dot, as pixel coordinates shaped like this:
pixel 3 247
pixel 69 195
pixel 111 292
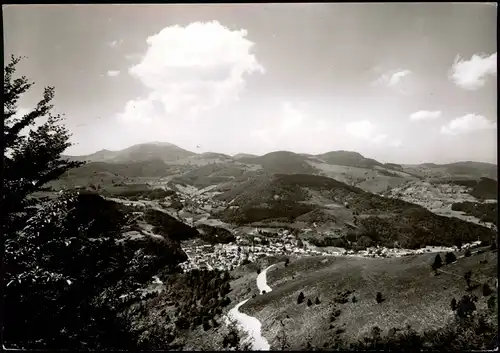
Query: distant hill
pixel 285 198
pixel 348 158
pixel 244 155
pixel 283 162
pixel 137 153
pixel 149 168
pixel 464 170
pixel 209 174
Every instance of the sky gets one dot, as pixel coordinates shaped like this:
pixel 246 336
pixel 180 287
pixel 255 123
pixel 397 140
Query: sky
pixel 398 82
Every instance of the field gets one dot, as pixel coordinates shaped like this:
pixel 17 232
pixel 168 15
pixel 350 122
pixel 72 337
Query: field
pixel 413 295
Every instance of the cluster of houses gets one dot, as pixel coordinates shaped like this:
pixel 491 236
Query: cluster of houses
pixel 246 249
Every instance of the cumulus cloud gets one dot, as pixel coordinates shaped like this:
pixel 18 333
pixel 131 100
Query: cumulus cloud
pixel 392 78
pixel 425 115
pixel 192 69
pixel 395 143
pixel 467 123
pixel 471 74
pixel 292 118
pixel 113 73
pixel 362 129
pixel 366 130
pixel 115 43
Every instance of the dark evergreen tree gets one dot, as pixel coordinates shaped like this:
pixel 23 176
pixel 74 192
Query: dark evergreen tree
pixel 467 278
pixel 453 304
pixel 450 258
pixel 301 298
pixel 438 262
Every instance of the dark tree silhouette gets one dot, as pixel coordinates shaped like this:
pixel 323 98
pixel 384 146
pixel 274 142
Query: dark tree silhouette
pixel 450 258
pixel 467 278
pixel 453 304
pixel 309 302
pixel 466 307
pixel 301 298
pixel 379 298
pixel 486 290
pixel 438 262
pixel 30 160
pixel 317 302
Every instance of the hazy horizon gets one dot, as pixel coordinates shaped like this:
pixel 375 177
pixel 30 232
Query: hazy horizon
pixel 406 83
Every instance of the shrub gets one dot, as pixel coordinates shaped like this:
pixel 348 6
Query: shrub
pixel 466 306
pixel 379 298
pixel 309 302
pixel 301 298
pixel 354 300
pixel 317 301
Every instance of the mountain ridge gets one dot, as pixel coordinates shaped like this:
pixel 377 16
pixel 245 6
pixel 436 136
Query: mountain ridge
pixel 328 154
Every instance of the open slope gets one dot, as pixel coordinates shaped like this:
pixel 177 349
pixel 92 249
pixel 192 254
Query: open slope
pixel 413 296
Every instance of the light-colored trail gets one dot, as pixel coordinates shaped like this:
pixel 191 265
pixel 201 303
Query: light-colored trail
pixel 249 324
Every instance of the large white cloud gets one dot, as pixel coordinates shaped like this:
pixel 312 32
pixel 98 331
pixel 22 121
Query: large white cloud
pixel 425 115
pixel 392 78
pixel 366 130
pixel 467 123
pixel 191 69
pixel 471 74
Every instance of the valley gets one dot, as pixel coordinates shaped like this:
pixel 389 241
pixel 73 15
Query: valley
pixel 251 212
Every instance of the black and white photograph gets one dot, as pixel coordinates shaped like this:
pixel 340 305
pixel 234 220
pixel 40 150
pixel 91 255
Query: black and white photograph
pixel 250 177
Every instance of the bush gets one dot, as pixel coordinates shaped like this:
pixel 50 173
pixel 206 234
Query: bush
pixel 301 298
pixel 317 302
pixel 309 302
pixel 379 298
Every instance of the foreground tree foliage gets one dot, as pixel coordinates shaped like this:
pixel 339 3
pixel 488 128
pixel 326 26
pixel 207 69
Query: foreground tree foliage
pixel 66 263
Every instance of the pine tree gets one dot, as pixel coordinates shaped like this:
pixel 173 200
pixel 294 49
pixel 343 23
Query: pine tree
pixel 450 258
pixel 467 278
pixel 29 161
pixel 301 298
pixel 438 262
pixel 309 302
pixel 453 304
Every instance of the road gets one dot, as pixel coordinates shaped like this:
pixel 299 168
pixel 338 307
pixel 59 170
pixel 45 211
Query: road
pixel 249 324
